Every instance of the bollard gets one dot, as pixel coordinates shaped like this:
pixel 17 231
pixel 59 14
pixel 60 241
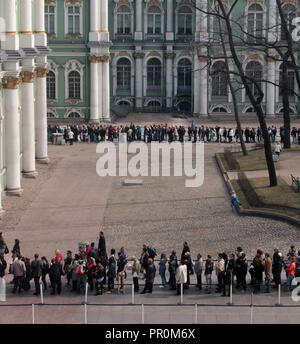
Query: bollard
pixel 33 322
pixel 279 296
pixel 181 293
pixel 132 294
pixel 196 313
pixel 2 290
pixel 251 314
pixel 86 292
pixel 41 292
pixel 143 315
pixel 85 313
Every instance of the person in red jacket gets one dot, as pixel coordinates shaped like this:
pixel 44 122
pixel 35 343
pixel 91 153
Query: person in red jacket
pixel 59 256
pixel 290 270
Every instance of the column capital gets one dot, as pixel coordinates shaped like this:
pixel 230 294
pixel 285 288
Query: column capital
pixel 271 59
pixel 28 77
pixel 138 55
pixel 11 83
pixel 41 72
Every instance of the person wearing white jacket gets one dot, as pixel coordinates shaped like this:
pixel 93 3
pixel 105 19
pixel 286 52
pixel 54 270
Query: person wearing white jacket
pixel 181 276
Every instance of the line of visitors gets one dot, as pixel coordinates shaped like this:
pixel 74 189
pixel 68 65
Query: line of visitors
pixel 168 133
pixel 91 265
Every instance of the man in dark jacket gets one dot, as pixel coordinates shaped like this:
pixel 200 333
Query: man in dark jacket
pixel 150 276
pixel 57 273
pixel 102 245
pixel 36 272
pixel 241 271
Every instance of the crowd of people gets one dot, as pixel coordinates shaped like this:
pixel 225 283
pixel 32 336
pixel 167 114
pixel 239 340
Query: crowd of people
pixel 167 133
pixel 91 265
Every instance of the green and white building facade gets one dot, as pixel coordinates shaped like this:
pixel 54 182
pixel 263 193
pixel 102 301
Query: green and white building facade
pixel 151 55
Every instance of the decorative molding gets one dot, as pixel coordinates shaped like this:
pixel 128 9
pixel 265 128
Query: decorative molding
pixel 28 77
pixel 138 55
pixel 11 83
pixel 41 72
pixel 169 55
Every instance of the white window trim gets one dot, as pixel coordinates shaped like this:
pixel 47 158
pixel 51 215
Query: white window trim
pixel 162 20
pixel 69 66
pixel 53 67
pixel 53 112
pixel 76 3
pixel 78 110
pixel 264 12
pixel 129 5
pixel 114 74
pixel 53 3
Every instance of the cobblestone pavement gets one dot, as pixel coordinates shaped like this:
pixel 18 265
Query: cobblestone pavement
pixel 69 203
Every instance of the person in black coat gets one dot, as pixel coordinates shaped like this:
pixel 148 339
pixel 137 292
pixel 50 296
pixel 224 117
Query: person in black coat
pixel 57 271
pixel 16 249
pixel 150 276
pixel 36 271
pixel 3 266
pixel 100 274
pixel 277 266
pixel 102 245
pixel 185 250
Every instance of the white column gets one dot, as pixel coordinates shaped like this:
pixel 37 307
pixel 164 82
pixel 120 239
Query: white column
pixel 138 36
pixel 197 88
pixel 170 26
pixel 94 18
pixel 203 18
pixel 271 88
pixel 28 128
pixel 104 20
pixel 94 90
pixel 203 87
pixel 272 34
pixel 39 23
pixel 139 80
pixel 100 90
pixel 41 116
pixel 12 134
pixel 198 20
pixel 169 81
pixel 1 149
pixel 9 15
pixel 105 89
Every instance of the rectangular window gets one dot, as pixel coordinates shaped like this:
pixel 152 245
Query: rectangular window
pixel 50 19
pixel 73 20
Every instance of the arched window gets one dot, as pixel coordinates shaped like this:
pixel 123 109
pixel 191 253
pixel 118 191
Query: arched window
pixel 73 115
pixel 184 73
pixel 184 106
pixel 50 115
pixel 74 85
pixel 123 20
pixel 219 80
pixel 123 73
pixel 154 105
pixel 254 72
pixel 123 103
pixel 219 109
pixel 185 19
pixel 154 73
pixel 291 111
pixel 51 85
pixel 290 87
pixel 289 13
pixel 154 20
pixel 255 23
pixel 250 109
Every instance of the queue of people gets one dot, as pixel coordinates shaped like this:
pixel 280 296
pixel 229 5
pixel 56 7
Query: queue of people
pixel 167 133
pixel 105 273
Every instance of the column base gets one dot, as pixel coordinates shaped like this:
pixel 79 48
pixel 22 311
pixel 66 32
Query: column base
pixel 45 160
pixel 203 114
pixel 14 192
pixel 94 121
pixel 271 116
pixel 32 174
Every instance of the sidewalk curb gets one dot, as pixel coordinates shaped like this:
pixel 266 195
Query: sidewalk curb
pixel 258 213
